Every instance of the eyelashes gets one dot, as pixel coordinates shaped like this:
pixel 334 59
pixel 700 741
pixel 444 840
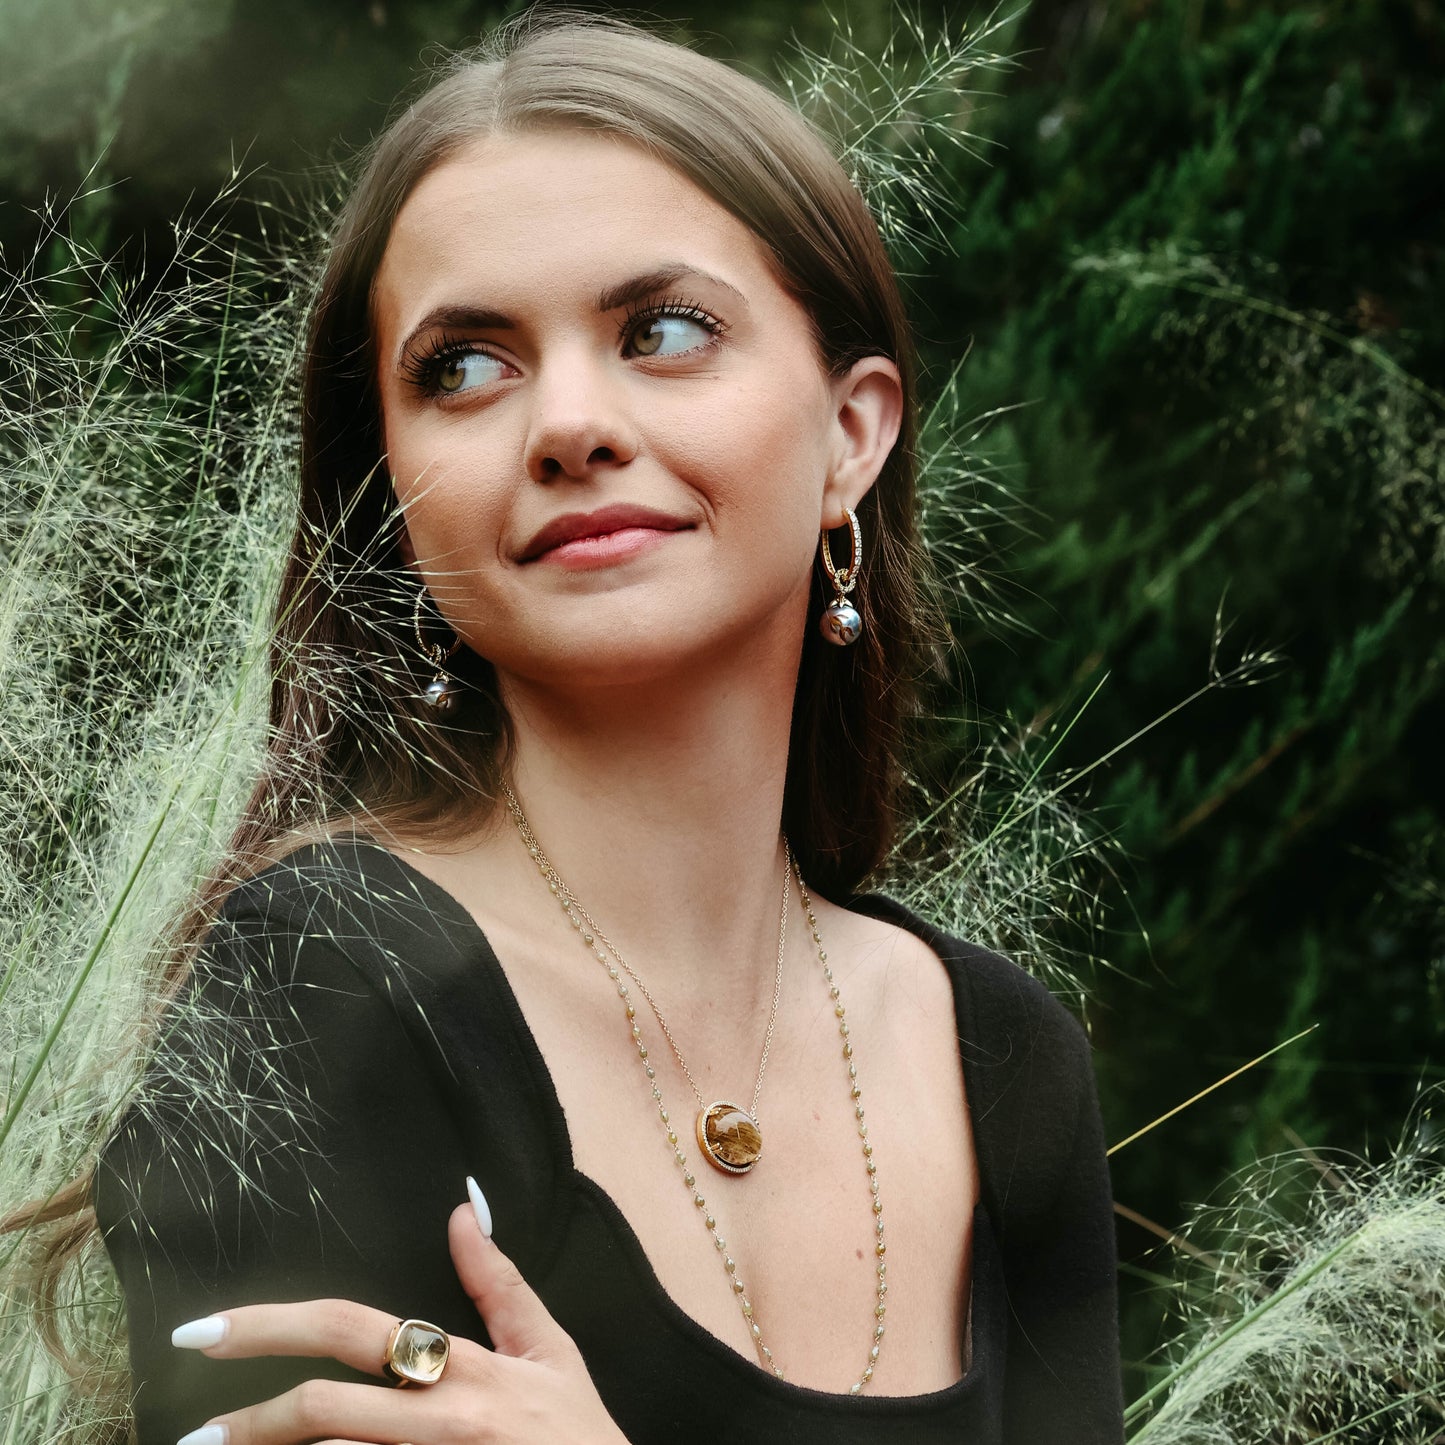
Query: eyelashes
pixel 654 311
pixel 445 356
pixel 443 352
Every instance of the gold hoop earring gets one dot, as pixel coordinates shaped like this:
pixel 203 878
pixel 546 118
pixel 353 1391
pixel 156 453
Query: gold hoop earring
pixel 443 692
pixel 841 622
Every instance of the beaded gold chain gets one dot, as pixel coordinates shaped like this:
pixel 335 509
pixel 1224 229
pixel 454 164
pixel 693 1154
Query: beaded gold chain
pixel 612 961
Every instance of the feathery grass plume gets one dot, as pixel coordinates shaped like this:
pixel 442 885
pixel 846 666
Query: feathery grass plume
pixel 1333 398
pixel 894 113
pixel 146 438
pixel 1320 1315
pixel 1011 856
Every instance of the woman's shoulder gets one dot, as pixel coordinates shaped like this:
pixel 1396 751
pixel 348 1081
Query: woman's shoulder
pixel 345 896
pixel 1008 1019
pixel 1028 1071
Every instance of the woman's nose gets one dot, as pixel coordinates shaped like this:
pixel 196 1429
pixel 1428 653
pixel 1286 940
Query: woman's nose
pixel 580 420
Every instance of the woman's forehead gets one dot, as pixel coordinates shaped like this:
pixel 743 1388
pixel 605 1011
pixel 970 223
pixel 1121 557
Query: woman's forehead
pixel 543 217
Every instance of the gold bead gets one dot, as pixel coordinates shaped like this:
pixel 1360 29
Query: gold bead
pixel 880 1248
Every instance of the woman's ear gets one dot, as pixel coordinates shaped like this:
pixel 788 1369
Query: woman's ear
pixel 868 415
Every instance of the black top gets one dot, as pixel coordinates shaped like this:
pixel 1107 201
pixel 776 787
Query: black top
pixel 353 1050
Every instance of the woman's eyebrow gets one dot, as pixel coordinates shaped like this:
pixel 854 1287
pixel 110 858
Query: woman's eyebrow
pixel 669 273
pixel 610 298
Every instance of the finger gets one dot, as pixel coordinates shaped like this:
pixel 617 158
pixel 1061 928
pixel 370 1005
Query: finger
pixel 516 1319
pixel 330 1410
pixel 335 1329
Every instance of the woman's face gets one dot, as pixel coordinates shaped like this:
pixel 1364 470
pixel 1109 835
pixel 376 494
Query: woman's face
pixel 608 428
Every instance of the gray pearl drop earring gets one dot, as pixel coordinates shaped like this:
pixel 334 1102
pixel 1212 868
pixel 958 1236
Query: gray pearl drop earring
pixel 443 692
pixel 841 622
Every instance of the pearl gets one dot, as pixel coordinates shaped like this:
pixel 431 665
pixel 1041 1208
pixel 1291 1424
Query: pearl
pixel 841 623
pixel 440 694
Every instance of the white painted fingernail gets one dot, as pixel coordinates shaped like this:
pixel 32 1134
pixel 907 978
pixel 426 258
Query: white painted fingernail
pixel 480 1207
pixel 200 1335
pixel 206 1435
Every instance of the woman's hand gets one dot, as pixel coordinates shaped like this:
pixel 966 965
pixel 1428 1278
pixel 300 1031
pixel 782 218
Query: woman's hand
pixel 532 1389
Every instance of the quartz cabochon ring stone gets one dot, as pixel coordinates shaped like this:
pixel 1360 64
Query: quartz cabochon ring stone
pixel 416 1353
pixel 729 1136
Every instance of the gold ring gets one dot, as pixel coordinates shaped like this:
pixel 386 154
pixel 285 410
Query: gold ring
pixel 416 1353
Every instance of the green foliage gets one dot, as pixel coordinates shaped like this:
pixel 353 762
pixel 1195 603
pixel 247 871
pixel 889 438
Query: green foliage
pixel 1210 256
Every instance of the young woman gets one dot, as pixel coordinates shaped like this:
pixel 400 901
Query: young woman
pixel 592 651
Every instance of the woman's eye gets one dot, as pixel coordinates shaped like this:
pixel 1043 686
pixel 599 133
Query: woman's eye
pixel 669 335
pixel 464 370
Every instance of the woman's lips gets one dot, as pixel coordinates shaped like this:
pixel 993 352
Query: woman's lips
pixel 582 539
pixel 609 547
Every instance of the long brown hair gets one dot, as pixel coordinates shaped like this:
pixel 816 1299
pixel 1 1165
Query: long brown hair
pixel 349 735
pixel 346 598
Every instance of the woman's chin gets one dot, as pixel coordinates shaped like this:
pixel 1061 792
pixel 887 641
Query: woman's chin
pixel 632 648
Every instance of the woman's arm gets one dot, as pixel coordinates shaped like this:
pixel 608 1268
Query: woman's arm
pixel 1063 1383
pixel 286 1144
pixel 1040 1142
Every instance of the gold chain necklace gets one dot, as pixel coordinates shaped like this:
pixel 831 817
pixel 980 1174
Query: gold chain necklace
pixel 601 949
pixel 730 1137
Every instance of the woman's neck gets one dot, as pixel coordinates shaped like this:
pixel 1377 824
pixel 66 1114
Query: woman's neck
pixel 661 808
